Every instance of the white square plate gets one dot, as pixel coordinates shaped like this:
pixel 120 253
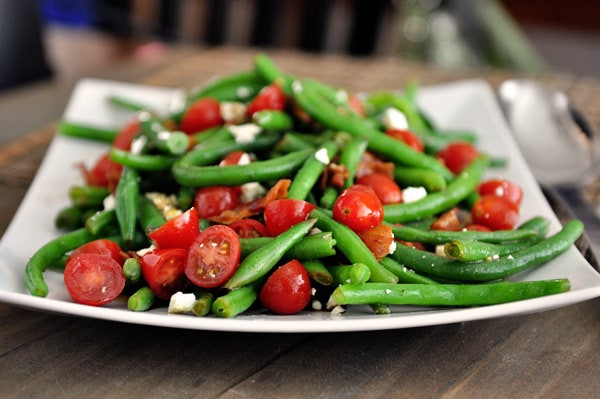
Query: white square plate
pixel 466 104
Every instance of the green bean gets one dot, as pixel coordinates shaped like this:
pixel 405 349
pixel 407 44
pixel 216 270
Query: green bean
pixel 49 253
pixel 272 120
pixel 212 135
pixel 352 246
pixel 539 224
pixel 261 261
pixel 237 87
pixel 69 218
pixel 433 265
pixel 313 246
pixel 132 271
pixel 100 221
pixel 185 197
pixel 147 162
pixel 88 196
pixel 471 250
pixel 233 175
pixel 309 173
pixel 149 215
pixel 328 198
pixel 351 156
pixel 127 196
pixel 415 234
pixel 203 304
pixel 141 300
pixel 87 132
pixel 446 294
pixel 169 142
pixel 417 177
pixel 291 142
pixel 458 189
pixel 235 301
pixel 355 273
pixel 127 103
pixel 405 275
pixel 397 151
pixel 318 272
pixel 269 72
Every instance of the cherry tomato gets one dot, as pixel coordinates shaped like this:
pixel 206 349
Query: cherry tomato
pixel 407 137
pixel 378 239
pixel 456 156
pixel 477 227
pixel 104 173
pixel 212 201
pixel 269 98
pixel 163 270
pixel 385 187
pixel 358 208
pixel 213 257
pixel 93 279
pixel 233 158
pixel 497 213
pixel 202 114
pixel 101 247
pixel 179 232
pixel 281 214
pixel 502 188
pixel 126 135
pixel 356 104
pixel 287 290
pixel 249 228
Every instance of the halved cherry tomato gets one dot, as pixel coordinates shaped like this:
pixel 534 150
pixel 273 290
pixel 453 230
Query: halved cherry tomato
pixel 358 208
pixel 494 212
pixel 457 155
pixel 213 257
pixel 179 232
pixel 101 246
pixel 356 104
pixel 502 188
pixel 104 173
pixel 93 279
pixel 126 135
pixel 270 97
pixel 233 158
pixel 212 201
pixel 282 214
pixel 163 270
pixel 378 239
pixel 287 290
pixel 407 137
pixel 385 187
pixel 202 114
pixel 249 228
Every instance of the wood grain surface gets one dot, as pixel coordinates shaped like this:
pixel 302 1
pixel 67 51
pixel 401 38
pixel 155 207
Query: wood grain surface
pixel 553 354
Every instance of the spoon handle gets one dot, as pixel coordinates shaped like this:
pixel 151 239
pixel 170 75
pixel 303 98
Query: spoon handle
pixel 569 202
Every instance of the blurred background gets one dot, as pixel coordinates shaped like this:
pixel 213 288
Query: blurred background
pixel 54 39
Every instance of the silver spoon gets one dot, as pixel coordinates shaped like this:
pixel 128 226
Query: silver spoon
pixel 561 149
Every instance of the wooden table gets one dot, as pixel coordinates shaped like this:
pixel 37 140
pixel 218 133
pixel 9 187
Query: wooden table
pixel 550 354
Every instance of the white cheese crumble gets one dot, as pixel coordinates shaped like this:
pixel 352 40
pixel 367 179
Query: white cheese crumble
pixel 510 257
pixel 233 112
pixel 338 310
pixel 138 144
pixel 245 133
pixel 243 92
pixel 297 87
pixel 167 205
pixel 392 118
pixel 412 194
pixel 392 247
pixel 109 202
pixel 316 305
pixel 251 191
pixel 388 291
pixel 144 251
pixel 181 303
pixel 322 156
pixel 341 96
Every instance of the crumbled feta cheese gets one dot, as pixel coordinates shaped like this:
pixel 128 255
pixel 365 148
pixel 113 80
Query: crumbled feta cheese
pixel 510 257
pixel 317 305
pixel 144 116
pixel 244 159
pixel 245 133
pixel 138 144
pixel 322 156
pixel 392 247
pixel 233 112
pixel 109 202
pixel 181 303
pixel 341 96
pixel 412 194
pixel 388 291
pixel 167 205
pixel 338 310
pixel 297 87
pixel 243 92
pixel 144 251
pixel 393 118
pixel 251 191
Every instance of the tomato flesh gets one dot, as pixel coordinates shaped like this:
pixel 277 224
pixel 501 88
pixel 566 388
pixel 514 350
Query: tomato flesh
pixel 101 247
pixel 93 279
pixel 407 137
pixel 212 201
pixel 494 212
pixel 287 290
pixel 502 188
pixel 126 135
pixel 359 208
pixel 249 228
pixel 457 155
pixel 163 270
pixel 281 214
pixel 385 187
pixel 104 173
pixel 202 114
pixel 179 232
pixel 213 257
pixel 269 98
